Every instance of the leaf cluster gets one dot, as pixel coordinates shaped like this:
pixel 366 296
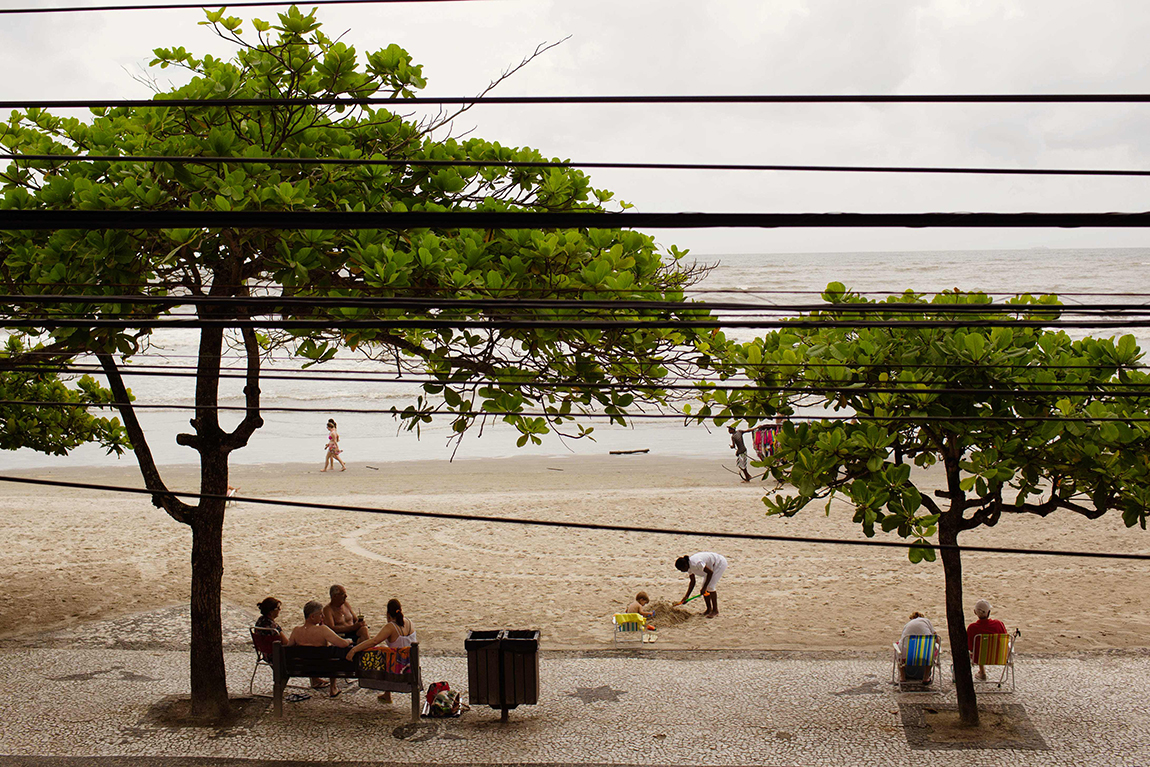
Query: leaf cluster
pixel 294 59
pixel 974 399
pixel 53 430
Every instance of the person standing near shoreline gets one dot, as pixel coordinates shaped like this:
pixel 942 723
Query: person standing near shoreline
pixel 333 450
pixel 709 565
pixel 741 458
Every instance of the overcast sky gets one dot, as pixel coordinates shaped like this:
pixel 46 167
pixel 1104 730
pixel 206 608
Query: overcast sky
pixel 736 47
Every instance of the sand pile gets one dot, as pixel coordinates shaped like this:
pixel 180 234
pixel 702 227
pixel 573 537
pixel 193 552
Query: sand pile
pixel 667 614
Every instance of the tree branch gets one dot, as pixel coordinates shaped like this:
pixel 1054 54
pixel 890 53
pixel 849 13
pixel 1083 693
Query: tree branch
pixel 161 496
pixel 252 419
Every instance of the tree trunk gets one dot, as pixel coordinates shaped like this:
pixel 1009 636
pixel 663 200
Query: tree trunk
pixel 956 619
pixel 209 680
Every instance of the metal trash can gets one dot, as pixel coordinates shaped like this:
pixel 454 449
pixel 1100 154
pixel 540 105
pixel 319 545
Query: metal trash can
pixel 483 675
pixel 520 652
pixel 502 668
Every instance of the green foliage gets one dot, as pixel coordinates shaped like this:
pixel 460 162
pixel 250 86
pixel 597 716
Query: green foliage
pixel 49 429
pixel 293 58
pixel 969 398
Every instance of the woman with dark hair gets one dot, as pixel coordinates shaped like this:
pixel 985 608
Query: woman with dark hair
pixel 269 611
pixel 710 567
pixel 397 632
pixel 333 449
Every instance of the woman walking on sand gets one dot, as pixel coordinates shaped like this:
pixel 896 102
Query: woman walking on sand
pixel 333 450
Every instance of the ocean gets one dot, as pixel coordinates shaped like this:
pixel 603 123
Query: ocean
pixel 1082 276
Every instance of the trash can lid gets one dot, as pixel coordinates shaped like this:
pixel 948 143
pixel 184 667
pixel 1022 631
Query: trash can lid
pixel 521 641
pixel 522 634
pixel 477 640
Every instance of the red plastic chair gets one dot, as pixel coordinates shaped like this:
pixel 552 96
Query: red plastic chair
pixel 262 641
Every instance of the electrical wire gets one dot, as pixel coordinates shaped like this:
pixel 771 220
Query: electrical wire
pixel 277 304
pixel 826 98
pixel 538 324
pixel 367 289
pixel 417 163
pixel 762 366
pixel 1107 389
pixel 733 417
pixel 185 6
pixel 593 526
pixel 16 219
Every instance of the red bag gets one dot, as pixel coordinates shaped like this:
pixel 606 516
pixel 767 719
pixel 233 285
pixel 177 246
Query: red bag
pixel 435 689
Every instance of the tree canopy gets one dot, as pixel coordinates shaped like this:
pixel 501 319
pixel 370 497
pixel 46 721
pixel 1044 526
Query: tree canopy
pixel 504 369
pixel 56 418
pixel 1022 420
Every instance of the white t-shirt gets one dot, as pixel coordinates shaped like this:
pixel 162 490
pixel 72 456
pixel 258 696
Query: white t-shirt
pixel 918 627
pixel 696 563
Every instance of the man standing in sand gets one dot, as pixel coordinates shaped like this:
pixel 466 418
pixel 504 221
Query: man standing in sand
pixel 313 633
pixel 711 567
pixel 741 458
pixel 341 619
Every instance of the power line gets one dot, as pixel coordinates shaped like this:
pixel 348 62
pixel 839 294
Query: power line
pixel 929 98
pixel 539 324
pixel 460 517
pixel 896 366
pixel 733 417
pixel 185 6
pixel 417 163
pixel 276 304
pixel 1105 389
pixel 313 219
pixel 549 290
pixel 770 365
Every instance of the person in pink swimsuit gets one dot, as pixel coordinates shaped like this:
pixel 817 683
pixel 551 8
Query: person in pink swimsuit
pixel 333 450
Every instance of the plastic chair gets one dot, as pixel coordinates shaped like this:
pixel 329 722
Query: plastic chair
pixel 995 650
pixel 262 641
pixel 629 627
pixel 919 658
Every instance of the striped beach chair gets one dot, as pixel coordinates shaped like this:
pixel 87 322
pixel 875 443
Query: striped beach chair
pixel 994 650
pixel 629 627
pixel 918 658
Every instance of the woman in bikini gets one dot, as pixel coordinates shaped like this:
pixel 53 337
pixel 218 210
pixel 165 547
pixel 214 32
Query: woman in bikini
pixel 333 450
pixel 397 632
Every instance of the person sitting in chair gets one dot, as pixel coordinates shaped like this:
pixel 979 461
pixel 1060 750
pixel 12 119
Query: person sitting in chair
pixel 918 626
pixel 266 623
pixel 984 625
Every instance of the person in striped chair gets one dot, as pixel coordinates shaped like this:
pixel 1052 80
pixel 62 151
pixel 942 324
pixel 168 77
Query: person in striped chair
pixel 918 625
pixel 984 625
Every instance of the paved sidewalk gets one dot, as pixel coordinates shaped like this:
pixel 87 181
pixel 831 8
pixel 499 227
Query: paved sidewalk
pixel 635 707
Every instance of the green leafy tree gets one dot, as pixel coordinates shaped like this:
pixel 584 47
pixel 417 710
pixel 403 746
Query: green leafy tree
pixel 57 420
pixel 1022 420
pixel 509 371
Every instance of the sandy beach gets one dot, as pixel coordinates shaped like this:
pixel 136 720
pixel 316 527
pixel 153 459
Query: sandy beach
pixel 73 556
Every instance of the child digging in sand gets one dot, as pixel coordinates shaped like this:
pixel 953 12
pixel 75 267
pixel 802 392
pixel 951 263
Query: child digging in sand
pixel 640 605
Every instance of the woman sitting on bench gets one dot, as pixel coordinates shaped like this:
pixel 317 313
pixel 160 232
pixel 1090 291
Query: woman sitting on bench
pixel 397 632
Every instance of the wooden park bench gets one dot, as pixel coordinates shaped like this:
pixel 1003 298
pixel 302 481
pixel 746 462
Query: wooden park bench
pixel 376 669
